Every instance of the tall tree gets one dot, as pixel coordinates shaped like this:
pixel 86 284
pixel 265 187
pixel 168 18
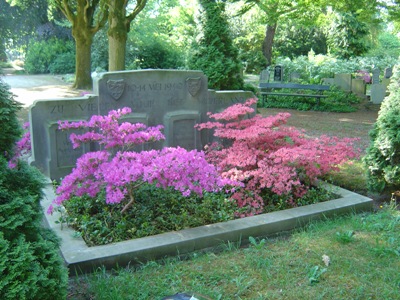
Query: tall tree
pixel 87 18
pixel 119 21
pixel 276 11
pixel 215 53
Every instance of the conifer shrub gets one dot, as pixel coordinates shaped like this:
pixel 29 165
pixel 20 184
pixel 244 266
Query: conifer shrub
pixel 30 265
pixel 215 54
pixel 383 155
pixel 10 129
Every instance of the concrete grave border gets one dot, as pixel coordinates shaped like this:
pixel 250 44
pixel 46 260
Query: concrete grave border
pixel 83 259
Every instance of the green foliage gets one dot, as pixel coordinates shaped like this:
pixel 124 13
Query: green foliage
pixel 63 64
pixel 337 101
pixel 10 128
pixel 157 54
pixel 155 211
pixel 215 53
pixel 388 46
pixel 383 155
pixel 346 35
pixel 293 39
pixel 274 202
pixel 30 266
pixel 44 56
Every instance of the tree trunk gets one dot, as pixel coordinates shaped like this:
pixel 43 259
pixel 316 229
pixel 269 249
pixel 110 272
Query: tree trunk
pixel 268 43
pixel 116 50
pixel 117 36
pixel 83 40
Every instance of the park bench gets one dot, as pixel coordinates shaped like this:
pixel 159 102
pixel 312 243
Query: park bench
pixel 295 89
pixel 270 88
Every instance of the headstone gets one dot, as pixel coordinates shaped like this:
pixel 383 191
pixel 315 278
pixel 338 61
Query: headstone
pixel 52 152
pixel 375 76
pixel 358 87
pixel 173 98
pixel 157 94
pixel 343 81
pixel 294 77
pixel 264 76
pixel 388 72
pixel 278 73
pixel 330 81
pixel 378 92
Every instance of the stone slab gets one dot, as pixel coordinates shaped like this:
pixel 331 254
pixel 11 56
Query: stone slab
pixel 57 160
pixel 82 259
pixel 176 99
pixel 378 93
pixel 343 81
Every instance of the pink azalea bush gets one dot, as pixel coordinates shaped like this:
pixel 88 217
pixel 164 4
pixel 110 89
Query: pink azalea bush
pixel 268 157
pixel 119 171
pixel 22 147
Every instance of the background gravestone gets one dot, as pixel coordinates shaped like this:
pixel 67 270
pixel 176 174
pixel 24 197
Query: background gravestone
pixel 343 81
pixel 388 72
pixel 278 73
pixel 375 76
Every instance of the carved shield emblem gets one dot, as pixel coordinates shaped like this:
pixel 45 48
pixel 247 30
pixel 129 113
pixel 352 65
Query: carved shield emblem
pixel 116 88
pixel 193 85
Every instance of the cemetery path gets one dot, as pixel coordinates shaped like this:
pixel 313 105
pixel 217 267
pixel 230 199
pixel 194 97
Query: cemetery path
pixel 29 88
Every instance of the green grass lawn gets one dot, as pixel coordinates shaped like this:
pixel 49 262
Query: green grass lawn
pixel 364 262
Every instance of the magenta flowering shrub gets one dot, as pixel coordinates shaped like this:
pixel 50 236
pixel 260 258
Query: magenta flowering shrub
pixel 269 157
pixel 119 171
pixel 22 148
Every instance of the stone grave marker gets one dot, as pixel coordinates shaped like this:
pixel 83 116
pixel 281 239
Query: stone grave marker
pixel 278 73
pixel 375 76
pixel 294 77
pixel 173 98
pixel 343 81
pixel 388 72
pixel 359 87
pixel 264 76
pixel 52 151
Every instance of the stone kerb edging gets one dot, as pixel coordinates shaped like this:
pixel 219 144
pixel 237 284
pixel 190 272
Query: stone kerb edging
pixel 82 259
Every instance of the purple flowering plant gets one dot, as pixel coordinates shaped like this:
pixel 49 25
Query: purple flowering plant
pixel 118 170
pixel 22 147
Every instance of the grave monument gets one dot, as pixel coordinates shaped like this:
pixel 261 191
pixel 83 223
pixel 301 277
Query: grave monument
pixel 176 99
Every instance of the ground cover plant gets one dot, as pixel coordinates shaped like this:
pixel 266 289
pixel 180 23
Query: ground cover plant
pixel 117 194
pixel 349 257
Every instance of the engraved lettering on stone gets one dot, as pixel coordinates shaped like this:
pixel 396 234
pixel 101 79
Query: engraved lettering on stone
pixel 116 88
pixel 193 85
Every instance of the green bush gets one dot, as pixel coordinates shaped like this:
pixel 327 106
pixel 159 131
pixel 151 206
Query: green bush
pixel 63 64
pixel 10 128
pixel 383 155
pixel 157 54
pixel 42 54
pixel 30 266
